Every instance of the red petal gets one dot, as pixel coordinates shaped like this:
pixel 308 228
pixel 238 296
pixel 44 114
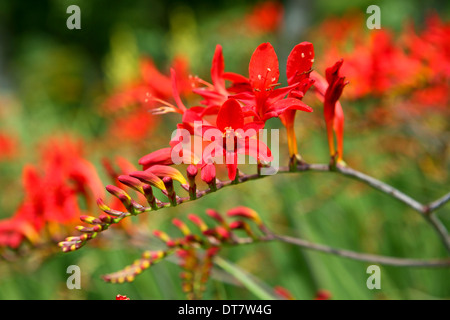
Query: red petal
pixel 175 92
pixel 217 69
pixel 299 62
pixel 289 103
pixel 280 93
pixel 339 129
pixel 245 97
pixel 192 114
pixel 332 73
pixel 232 169
pixel 230 115
pixel 263 67
pixel 235 77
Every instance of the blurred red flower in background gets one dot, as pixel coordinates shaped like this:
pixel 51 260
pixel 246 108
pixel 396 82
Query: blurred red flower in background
pixel 265 17
pixel 8 146
pixel 53 189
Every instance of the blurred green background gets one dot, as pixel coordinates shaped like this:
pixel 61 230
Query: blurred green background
pixel 54 80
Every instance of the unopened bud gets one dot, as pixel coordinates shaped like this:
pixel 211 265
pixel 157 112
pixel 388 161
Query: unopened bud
pixel 208 174
pixel 131 182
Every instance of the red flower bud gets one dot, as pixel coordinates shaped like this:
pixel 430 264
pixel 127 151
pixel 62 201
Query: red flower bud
pixel 215 215
pixel 166 171
pixel 208 173
pixel 198 221
pixel 158 157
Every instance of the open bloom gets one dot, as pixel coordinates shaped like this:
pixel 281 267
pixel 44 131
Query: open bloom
pixel 298 69
pixel 264 100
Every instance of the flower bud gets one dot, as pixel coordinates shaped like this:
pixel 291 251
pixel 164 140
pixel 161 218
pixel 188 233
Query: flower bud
pixel 168 183
pixel 166 171
pixel 245 213
pixel 131 182
pixel 198 221
pixel 192 172
pixel 149 178
pixel 208 174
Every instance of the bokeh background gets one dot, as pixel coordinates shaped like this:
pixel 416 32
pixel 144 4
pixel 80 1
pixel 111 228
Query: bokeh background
pixel 60 87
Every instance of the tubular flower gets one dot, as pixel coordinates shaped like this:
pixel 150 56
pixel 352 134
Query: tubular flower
pixel 298 69
pixel 264 100
pixel 329 91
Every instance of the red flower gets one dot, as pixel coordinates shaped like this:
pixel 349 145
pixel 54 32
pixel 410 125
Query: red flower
pixel 51 194
pixel 329 92
pixel 265 17
pixel 264 101
pixel 161 156
pixel 298 68
pixel 8 146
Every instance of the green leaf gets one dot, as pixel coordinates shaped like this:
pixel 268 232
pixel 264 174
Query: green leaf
pixel 246 279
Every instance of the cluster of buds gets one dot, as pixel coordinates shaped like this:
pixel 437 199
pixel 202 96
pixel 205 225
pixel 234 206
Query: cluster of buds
pixel 196 251
pixel 157 176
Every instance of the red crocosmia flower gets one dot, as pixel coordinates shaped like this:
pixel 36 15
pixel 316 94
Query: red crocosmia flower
pixel 264 101
pixel 52 190
pixel 265 17
pixel 161 156
pixel 298 68
pixel 151 83
pixel 120 297
pixel 329 91
pixel 236 136
pixel 167 107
